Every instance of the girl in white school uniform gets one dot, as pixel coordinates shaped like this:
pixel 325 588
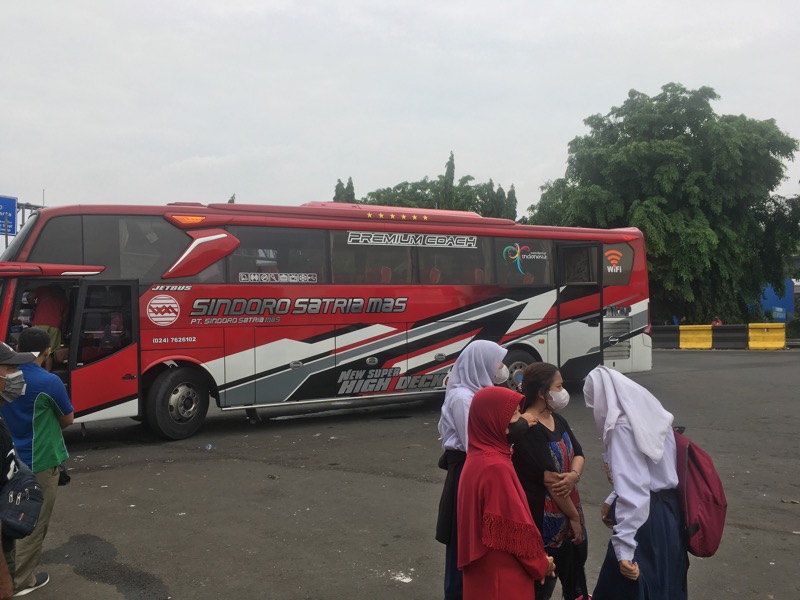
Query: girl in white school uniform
pixel 646 557
pixel 480 365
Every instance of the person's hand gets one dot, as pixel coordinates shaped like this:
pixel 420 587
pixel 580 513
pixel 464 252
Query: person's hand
pixel 605 515
pixel 629 569
pixel 530 417
pixel 565 484
pixel 577 531
pixel 551 569
pixel 6 588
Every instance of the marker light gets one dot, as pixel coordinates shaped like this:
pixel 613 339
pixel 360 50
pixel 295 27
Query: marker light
pixel 189 219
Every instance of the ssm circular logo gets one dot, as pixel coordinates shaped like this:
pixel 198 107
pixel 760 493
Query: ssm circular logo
pixel 163 310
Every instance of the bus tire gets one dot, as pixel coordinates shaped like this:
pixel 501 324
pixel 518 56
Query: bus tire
pixel 516 361
pixel 177 404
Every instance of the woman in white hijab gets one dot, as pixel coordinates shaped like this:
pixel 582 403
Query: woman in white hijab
pixel 646 558
pixel 479 365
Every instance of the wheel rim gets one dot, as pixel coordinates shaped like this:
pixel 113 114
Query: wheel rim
pixel 183 403
pixel 515 370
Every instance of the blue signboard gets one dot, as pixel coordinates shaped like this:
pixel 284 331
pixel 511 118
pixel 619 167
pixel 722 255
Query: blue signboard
pixel 8 215
pixel 781 307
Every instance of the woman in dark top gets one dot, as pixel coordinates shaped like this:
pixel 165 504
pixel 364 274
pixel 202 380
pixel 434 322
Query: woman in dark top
pixel 549 462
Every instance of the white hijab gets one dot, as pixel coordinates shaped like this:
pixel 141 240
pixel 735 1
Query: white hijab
pixel 612 395
pixel 475 366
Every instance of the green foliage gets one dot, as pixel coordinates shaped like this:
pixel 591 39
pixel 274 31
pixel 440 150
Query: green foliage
pixel 793 329
pixel 448 194
pixel 232 199
pixel 698 185
pixel 349 191
pixel 417 194
pixel 339 193
pixel 444 193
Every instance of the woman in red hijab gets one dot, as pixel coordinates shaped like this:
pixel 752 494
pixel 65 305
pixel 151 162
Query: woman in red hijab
pixel 500 550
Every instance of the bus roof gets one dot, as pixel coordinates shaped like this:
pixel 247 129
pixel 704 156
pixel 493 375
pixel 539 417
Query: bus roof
pixel 331 211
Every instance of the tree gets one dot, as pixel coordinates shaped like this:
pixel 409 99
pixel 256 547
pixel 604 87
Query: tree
pixel 443 193
pixel 491 201
pixel 510 211
pixel 232 199
pixel 448 196
pixel 417 194
pixel 697 184
pixel 466 194
pixel 339 193
pixel 349 191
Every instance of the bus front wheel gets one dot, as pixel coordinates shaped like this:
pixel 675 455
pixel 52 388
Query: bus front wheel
pixel 177 404
pixel 516 361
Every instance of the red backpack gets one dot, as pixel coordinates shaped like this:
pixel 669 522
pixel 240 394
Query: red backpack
pixel 702 498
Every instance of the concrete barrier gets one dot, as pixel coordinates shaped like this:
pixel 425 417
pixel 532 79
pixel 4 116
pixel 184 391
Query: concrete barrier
pixel 729 337
pixel 666 336
pixel 753 336
pixel 767 336
pixel 696 337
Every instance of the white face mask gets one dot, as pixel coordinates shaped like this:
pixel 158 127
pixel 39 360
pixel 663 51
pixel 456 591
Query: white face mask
pixel 15 386
pixel 501 376
pixel 559 400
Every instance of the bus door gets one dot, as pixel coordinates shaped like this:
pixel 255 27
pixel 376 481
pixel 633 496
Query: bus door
pixel 104 351
pixel 579 309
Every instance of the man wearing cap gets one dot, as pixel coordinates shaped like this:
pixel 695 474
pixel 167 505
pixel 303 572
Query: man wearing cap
pixel 35 421
pixel 12 385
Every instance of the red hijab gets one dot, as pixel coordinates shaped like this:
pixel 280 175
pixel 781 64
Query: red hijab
pixel 493 511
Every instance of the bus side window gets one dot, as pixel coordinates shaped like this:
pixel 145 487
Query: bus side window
pixel 343 259
pixel 239 263
pixel 297 255
pixel 580 265
pixel 432 266
pixel 524 261
pixel 106 322
pixel 456 266
pixel 386 264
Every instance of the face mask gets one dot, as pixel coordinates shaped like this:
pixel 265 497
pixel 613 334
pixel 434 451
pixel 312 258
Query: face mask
pixel 15 386
pixel 517 431
pixel 559 400
pixel 501 376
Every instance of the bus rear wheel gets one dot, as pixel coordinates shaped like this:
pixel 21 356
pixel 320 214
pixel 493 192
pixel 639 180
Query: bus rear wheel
pixel 177 404
pixel 516 361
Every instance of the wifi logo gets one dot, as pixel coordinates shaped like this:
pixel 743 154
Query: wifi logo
pixel 613 257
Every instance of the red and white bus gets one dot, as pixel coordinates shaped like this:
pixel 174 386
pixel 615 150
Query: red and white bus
pixel 292 309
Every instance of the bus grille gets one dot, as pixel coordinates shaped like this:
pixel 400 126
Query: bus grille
pixel 619 329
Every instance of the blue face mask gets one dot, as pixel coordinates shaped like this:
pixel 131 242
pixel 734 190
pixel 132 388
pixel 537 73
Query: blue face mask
pixel 15 386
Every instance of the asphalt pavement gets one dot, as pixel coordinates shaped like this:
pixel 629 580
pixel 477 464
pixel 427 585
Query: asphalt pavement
pixel 343 505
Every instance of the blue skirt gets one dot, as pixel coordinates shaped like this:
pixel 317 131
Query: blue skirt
pixel 660 554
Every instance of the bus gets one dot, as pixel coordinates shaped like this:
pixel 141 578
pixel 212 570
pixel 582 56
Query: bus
pixel 291 309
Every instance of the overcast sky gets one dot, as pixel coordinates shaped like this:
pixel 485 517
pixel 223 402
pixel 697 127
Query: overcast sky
pixel 194 100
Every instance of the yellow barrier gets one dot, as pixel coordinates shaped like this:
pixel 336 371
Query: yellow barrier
pixel 695 337
pixel 766 336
